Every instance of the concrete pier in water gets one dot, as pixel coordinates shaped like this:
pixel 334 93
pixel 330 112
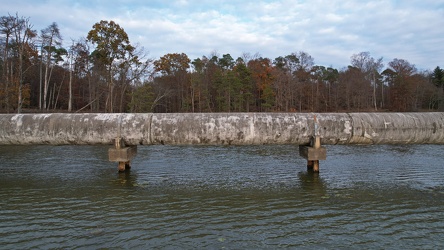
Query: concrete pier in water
pixel 222 128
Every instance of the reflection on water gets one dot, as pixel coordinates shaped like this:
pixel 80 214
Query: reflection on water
pixel 312 183
pixel 222 197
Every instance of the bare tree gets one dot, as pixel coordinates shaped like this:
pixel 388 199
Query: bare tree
pixel 371 68
pixel 404 84
pixel 51 40
pixel 77 63
pixel 24 35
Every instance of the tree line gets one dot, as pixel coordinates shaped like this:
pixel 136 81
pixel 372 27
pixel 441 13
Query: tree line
pixel 104 72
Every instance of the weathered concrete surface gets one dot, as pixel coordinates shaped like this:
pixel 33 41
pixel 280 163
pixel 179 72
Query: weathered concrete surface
pixel 245 128
pixel 125 154
pixel 397 128
pixel 313 154
pixel 222 128
pixel 59 129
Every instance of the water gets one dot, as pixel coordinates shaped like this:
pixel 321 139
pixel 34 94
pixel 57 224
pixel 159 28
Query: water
pixel 208 197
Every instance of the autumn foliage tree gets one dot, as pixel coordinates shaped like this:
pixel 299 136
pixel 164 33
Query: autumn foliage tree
pixel 173 69
pixel 113 50
pixel 261 74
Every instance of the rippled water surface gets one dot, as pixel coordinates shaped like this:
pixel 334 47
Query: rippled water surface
pixel 216 197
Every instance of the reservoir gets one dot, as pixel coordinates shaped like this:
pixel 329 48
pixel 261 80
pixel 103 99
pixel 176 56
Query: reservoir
pixel 222 197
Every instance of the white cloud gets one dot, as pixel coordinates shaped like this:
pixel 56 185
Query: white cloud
pixel 331 31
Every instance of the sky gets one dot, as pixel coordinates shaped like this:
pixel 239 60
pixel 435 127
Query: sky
pixel 330 31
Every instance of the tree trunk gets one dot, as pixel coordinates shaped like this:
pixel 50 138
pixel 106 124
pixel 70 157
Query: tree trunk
pixel 70 88
pixel 40 77
pixel 374 93
pixel 6 72
pixel 19 99
pixel 58 92
pixel 46 86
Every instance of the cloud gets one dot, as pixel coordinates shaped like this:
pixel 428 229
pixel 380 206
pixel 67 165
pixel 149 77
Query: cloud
pixel 330 31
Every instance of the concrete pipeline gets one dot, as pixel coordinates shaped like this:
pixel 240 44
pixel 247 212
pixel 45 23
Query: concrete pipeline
pixel 222 128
